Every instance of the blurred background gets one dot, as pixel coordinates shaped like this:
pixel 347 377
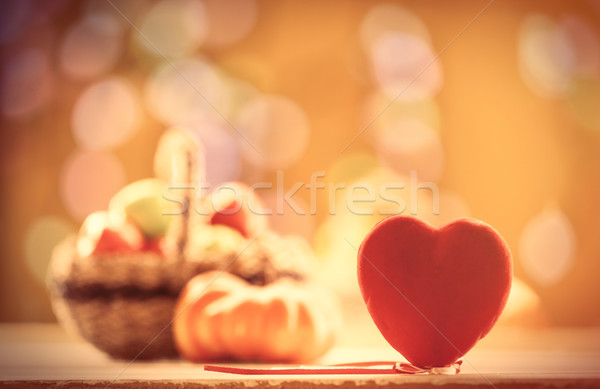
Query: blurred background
pixel 502 116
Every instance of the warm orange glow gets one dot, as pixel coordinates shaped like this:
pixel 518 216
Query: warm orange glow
pixel 499 122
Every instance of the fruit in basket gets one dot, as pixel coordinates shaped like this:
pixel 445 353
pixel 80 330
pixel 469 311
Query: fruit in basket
pixel 143 203
pixel 120 294
pixel 235 205
pixel 101 234
pixel 118 282
pixel 221 316
pixel 155 245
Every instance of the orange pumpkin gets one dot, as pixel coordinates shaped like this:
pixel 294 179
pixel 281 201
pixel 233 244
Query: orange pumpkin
pixel 221 316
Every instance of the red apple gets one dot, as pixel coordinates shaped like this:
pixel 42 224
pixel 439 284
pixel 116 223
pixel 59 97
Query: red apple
pixel 101 234
pixel 154 245
pixel 236 205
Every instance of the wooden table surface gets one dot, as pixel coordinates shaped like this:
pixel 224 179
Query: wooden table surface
pixel 42 355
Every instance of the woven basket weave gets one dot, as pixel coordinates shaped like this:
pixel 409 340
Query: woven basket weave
pixel 122 304
pixel 123 328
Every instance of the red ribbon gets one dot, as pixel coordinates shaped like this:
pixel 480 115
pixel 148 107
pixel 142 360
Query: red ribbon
pixel 346 368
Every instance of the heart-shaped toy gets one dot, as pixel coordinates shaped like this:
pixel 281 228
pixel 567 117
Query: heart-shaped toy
pixel 433 293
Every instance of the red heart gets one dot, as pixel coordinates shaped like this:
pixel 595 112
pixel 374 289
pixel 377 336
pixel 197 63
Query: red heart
pixel 433 293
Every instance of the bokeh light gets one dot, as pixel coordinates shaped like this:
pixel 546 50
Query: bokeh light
pixel 132 9
pixel 378 105
pixel 92 46
pixel 106 115
pixel 351 166
pixel 552 53
pixel 175 28
pixel 238 93
pixel 222 153
pixel 179 94
pixel 546 57
pixel 410 145
pixel 585 44
pixel 384 18
pixel 524 307
pixel 26 82
pixel 337 256
pixel 41 238
pixel 498 121
pixel 229 20
pixel 276 130
pixel 405 67
pixel 547 247
pixel 88 180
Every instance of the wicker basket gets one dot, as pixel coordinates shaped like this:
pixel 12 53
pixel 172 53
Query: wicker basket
pixel 121 303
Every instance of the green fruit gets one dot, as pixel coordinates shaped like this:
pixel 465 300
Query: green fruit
pixel 217 238
pixel 143 203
